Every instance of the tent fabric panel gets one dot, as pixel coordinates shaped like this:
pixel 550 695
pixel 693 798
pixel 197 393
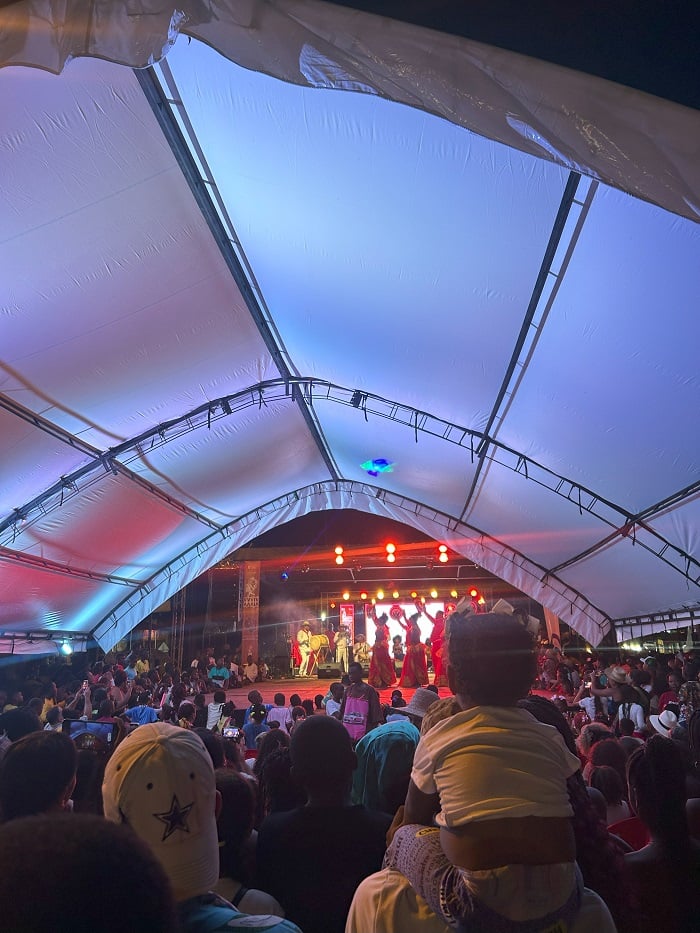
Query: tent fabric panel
pixel 268 449
pixel 131 258
pixel 36 600
pixel 681 526
pixel 399 206
pixel 110 526
pixel 29 458
pixel 632 140
pixel 625 411
pixel 531 519
pixel 423 468
pixel 630 581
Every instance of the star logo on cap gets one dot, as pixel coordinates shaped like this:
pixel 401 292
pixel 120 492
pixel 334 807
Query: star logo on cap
pixel 174 818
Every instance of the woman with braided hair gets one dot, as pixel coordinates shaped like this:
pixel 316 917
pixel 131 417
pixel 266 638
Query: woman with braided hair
pixel 664 876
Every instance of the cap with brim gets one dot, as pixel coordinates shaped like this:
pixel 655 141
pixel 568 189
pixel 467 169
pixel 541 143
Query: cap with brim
pixel 420 703
pixel 617 675
pixel 160 781
pixel 665 722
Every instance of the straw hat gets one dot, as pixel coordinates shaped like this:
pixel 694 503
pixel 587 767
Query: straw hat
pixel 664 723
pixel 616 675
pixel 420 703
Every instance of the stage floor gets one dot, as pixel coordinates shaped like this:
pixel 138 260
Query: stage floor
pixel 307 688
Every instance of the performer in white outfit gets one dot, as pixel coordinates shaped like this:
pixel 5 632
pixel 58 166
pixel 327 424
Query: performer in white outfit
pixel 304 642
pixel 341 640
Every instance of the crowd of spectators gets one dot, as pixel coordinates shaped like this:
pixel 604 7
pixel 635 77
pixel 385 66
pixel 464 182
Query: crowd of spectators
pixel 342 814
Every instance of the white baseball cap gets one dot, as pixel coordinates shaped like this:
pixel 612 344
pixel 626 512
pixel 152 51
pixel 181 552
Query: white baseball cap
pixel 160 781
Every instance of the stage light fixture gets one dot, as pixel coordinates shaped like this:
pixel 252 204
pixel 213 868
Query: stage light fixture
pixel 442 548
pixel 323 617
pixel 338 550
pixel 473 592
pixel 433 594
pixel 346 596
pixel 395 594
pixel 363 595
pixel 284 576
pixel 332 605
pixel 390 548
pixel 453 594
pixel 443 558
pixel 481 601
pixel 340 559
pixel 66 647
pixel 414 595
pixel 380 594
pixel 390 558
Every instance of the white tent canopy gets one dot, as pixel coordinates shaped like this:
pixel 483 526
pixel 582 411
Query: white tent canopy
pixel 232 279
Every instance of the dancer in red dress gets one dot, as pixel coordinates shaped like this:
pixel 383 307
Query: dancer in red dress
pixel 437 646
pixel 415 668
pixel 381 668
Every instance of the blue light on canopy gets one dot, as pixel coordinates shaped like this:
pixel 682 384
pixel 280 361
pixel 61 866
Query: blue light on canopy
pixel 375 467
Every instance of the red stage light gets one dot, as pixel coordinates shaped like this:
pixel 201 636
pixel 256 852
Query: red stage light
pixel 391 558
pixel 390 548
pixel 473 593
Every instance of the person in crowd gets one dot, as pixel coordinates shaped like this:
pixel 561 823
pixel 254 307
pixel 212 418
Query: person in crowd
pixel 688 697
pixel 186 713
pixel 37 775
pixel 396 703
pixel 589 735
pixel 130 668
pixel 670 694
pixel 214 708
pixel 161 782
pixel 54 719
pixel 120 692
pixel 304 646
pixel 595 707
pixel 219 675
pixel 15 700
pixel 50 700
pixel 384 762
pixel 143 665
pixel 298 714
pixel 381 668
pixel 251 671
pixel 94 866
pixel 335 699
pixel 495 780
pixel 237 843
pixel 278 788
pixel 627 739
pixel 255 698
pixel 14 723
pixel 664 875
pixel 255 727
pixel 398 654
pixel 437 646
pixel 201 714
pixel 141 711
pixel 360 710
pixel 607 780
pixel 341 640
pixel 308 706
pixel 278 713
pixel 318 897
pixel 319 705
pixel 360 650
pixel 629 708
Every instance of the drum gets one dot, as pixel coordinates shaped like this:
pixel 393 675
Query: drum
pixel 317 642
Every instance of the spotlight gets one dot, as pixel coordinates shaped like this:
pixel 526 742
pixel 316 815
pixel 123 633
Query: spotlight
pixel 66 648
pixel 433 593
pixel 226 406
pixel 284 576
pixel 340 560
pixel 357 398
pixel 453 594
pixel 363 595
pixel 346 596
pixel 395 594
pixel 390 548
pixel 390 558
pixel 414 595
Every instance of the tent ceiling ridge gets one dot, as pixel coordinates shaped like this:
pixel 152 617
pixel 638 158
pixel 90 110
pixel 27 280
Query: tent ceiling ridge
pixel 529 332
pixel 43 563
pixel 205 192
pixel 165 583
pixel 664 549
pixel 117 459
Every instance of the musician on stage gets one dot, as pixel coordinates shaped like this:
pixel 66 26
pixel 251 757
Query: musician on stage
pixel 304 645
pixel 360 650
pixel 341 640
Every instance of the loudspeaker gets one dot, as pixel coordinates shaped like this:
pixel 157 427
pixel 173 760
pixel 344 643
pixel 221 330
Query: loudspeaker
pixel 329 671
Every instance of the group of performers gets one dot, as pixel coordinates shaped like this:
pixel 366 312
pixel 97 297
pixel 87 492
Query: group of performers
pixel 409 667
